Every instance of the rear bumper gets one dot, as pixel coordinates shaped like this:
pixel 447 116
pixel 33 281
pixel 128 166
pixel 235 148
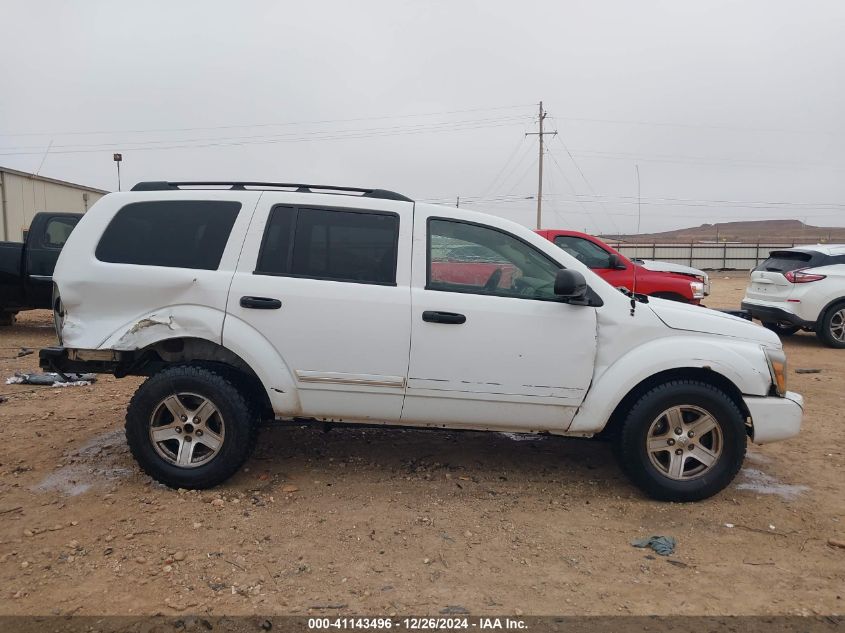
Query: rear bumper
pixel 774 419
pixel 772 314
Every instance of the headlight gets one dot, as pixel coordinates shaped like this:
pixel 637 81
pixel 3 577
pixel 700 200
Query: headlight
pixel 697 289
pixel 777 368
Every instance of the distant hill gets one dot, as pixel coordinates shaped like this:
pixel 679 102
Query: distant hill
pixel 779 231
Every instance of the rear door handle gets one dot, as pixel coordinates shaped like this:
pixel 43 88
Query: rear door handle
pixel 260 303
pixel 435 316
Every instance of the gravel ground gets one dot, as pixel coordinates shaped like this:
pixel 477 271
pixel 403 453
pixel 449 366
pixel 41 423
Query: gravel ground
pixel 406 522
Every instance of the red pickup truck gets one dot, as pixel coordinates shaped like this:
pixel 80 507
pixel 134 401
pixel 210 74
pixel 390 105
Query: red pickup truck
pixel 618 270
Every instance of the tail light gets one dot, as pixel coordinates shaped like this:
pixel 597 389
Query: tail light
pixel 800 277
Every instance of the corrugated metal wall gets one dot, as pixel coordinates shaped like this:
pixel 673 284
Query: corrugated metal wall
pixel 24 196
pixel 727 256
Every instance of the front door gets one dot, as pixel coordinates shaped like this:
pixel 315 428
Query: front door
pixel 491 345
pixel 326 288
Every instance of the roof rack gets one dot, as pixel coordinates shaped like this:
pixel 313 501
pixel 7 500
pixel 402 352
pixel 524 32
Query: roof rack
pixel 163 185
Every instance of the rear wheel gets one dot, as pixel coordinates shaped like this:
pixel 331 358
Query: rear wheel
pixel 832 327
pixel 682 441
pixel 190 427
pixel 781 329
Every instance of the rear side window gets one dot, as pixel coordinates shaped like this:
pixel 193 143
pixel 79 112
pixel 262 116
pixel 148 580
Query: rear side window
pixel 784 261
pixel 171 233
pixel 57 231
pixel 333 244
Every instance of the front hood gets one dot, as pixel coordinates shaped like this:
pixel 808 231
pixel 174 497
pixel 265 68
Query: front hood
pixel 682 316
pixel 669 267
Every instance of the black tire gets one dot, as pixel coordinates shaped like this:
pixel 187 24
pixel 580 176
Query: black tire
pixel 239 420
pixel 781 329
pixel 832 317
pixel 633 455
pixel 7 318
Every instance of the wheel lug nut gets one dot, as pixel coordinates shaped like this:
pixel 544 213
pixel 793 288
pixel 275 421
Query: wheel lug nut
pixel 184 418
pixel 197 420
pixel 178 429
pixel 187 438
pixel 679 452
pixel 199 433
pixel 679 431
pixel 691 447
pixel 691 434
pixel 670 442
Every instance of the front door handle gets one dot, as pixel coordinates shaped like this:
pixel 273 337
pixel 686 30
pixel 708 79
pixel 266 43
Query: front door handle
pixel 260 303
pixel 435 316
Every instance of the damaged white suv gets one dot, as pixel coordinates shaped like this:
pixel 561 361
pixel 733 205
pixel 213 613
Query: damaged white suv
pixel 250 301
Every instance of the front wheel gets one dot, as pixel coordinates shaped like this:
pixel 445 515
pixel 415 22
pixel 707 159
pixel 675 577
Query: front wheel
pixel 831 329
pixel 682 441
pixel 190 427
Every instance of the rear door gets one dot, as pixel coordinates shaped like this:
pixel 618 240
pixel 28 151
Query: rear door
pixel 327 286
pixel 43 245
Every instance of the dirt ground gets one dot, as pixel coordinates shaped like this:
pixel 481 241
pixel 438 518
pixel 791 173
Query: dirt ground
pixel 406 522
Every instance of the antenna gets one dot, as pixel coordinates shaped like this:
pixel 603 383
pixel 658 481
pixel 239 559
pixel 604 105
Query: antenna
pixel 639 217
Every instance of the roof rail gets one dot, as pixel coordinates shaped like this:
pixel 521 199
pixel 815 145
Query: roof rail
pixel 163 185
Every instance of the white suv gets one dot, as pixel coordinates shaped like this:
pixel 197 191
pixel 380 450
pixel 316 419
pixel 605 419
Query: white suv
pixel 801 288
pixel 250 301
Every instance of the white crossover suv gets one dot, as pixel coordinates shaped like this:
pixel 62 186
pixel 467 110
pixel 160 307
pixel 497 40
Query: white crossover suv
pixel 801 288
pixel 243 302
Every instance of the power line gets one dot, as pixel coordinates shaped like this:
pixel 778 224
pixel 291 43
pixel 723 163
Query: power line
pixel 255 125
pixel 353 134
pixel 580 171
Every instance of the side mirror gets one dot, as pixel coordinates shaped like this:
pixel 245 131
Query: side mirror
pixel 570 284
pixel 615 262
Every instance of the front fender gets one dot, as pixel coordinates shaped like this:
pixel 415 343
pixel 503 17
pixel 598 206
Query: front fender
pixel 742 363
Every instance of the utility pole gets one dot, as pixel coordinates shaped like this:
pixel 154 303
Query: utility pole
pixel 540 134
pixel 458 202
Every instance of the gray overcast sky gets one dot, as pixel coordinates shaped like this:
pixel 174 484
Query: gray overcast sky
pixel 735 101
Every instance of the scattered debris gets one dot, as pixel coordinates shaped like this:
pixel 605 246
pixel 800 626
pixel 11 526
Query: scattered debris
pixel 836 543
pixel 329 606
pixel 50 379
pixel 663 545
pixel 729 525
pixel 454 609
pixel 289 488
pixel 802 370
pixel 25 351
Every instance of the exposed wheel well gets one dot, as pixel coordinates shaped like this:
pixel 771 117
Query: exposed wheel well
pixel 195 351
pixel 682 373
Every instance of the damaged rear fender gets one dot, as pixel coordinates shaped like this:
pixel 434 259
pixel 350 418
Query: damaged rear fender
pixel 176 321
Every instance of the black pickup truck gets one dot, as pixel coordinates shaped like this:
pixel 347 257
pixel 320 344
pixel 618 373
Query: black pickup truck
pixel 26 269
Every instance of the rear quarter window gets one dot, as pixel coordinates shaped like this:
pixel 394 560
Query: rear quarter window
pixel 170 233
pixel 784 261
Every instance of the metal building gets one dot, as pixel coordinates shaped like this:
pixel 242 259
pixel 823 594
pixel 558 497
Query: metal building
pixel 22 195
